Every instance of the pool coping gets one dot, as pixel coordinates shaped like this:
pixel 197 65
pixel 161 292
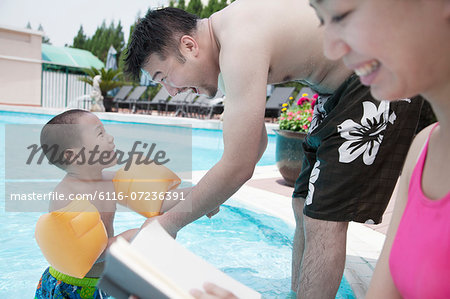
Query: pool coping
pixel 211 124
pixel 363 243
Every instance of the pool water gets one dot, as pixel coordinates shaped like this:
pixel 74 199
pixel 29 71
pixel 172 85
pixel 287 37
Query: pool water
pixel 253 248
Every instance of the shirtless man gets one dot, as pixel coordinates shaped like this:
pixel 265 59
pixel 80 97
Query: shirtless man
pixel 252 43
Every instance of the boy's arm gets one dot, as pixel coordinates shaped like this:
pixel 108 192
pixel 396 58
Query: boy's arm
pixel 127 235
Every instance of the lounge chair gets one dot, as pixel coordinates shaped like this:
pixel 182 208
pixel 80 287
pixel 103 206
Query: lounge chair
pixel 179 102
pixel 194 109
pixel 280 95
pixel 158 101
pixel 214 106
pixel 121 95
pixel 134 96
pixel 205 106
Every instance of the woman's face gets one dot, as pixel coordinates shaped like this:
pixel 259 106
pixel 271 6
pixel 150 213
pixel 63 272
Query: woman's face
pixel 399 47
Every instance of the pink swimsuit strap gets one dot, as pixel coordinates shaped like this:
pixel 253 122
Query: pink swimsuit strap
pixel 419 261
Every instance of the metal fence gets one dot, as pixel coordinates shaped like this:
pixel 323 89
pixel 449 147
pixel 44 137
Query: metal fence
pixel 61 89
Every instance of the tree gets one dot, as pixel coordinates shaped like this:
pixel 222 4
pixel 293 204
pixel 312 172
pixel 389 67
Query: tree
pixel 103 38
pixel 222 5
pixel 110 78
pixel 209 9
pixel 45 39
pixel 195 7
pixel 181 4
pixel 79 41
pixel 28 25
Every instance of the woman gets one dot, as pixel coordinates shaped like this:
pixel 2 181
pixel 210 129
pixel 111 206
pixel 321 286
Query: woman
pixel 402 48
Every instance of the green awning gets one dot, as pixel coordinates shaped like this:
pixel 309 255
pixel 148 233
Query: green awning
pixel 70 57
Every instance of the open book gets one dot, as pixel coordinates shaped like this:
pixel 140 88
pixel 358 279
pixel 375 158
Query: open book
pixel 155 266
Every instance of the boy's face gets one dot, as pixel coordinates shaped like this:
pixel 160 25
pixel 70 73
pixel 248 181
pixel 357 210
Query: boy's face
pixel 387 43
pixel 95 138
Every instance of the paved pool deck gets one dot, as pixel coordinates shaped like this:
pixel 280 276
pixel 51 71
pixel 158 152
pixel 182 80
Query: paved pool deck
pixel 266 192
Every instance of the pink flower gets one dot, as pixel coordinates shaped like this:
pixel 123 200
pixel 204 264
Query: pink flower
pixel 290 113
pixel 310 119
pixel 299 111
pixel 315 96
pixel 282 118
pixel 313 104
pixel 302 100
pixel 305 127
pixel 289 118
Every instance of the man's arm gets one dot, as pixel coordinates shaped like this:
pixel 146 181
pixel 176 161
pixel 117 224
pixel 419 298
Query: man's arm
pixel 176 196
pixel 245 78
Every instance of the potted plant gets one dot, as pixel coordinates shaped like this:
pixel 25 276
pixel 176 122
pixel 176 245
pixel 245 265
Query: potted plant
pixel 294 123
pixel 109 81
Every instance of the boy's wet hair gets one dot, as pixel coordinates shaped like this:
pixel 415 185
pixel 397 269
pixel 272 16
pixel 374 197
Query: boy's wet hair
pixel 62 132
pixel 158 32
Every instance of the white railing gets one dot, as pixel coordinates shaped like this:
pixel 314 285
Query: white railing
pixel 62 89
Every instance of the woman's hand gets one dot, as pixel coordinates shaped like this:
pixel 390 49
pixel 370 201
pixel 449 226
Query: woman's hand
pixel 212 291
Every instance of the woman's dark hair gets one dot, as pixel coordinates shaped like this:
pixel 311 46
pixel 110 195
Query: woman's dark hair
pixel 158 32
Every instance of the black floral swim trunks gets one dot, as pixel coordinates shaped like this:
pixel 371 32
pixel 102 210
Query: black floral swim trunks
pixel 354 153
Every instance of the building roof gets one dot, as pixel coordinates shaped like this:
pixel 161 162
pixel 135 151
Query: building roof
pixel 18 29
pixel 72 57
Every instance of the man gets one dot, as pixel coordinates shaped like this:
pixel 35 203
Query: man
pixel 253 43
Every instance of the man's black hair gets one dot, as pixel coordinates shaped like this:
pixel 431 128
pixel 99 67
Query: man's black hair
pixel 158 32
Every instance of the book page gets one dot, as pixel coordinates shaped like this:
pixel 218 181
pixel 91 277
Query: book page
pixel 184 268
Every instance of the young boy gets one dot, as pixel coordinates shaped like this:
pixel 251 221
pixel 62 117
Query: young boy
pixel 75 232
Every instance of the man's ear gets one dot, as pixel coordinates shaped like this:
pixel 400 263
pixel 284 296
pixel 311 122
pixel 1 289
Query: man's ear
pixel 188 45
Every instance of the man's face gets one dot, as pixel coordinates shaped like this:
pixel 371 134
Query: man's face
pixel 384 42
pixel 178 77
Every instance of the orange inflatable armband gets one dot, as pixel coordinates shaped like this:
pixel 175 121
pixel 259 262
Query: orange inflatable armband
pixel 72 238
pixel 142 187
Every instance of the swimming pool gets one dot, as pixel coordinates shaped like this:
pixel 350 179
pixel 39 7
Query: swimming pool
pixel 253 248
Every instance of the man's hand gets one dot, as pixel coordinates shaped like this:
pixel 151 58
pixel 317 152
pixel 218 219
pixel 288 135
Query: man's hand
pixel 169 227
pixel 212 291
pixel 213 212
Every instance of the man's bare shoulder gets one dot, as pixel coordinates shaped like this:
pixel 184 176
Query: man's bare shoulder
pixel 259 18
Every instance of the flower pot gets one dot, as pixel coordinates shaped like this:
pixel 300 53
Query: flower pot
pixel 289 154
pixel 108 103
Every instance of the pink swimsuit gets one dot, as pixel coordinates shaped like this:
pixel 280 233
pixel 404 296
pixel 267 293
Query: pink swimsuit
pixel 420 255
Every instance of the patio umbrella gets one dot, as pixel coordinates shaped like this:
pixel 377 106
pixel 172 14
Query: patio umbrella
pixel 111 61
pixel 146 80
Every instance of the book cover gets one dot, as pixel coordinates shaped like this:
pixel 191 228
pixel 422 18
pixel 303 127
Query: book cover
pixel 154 265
